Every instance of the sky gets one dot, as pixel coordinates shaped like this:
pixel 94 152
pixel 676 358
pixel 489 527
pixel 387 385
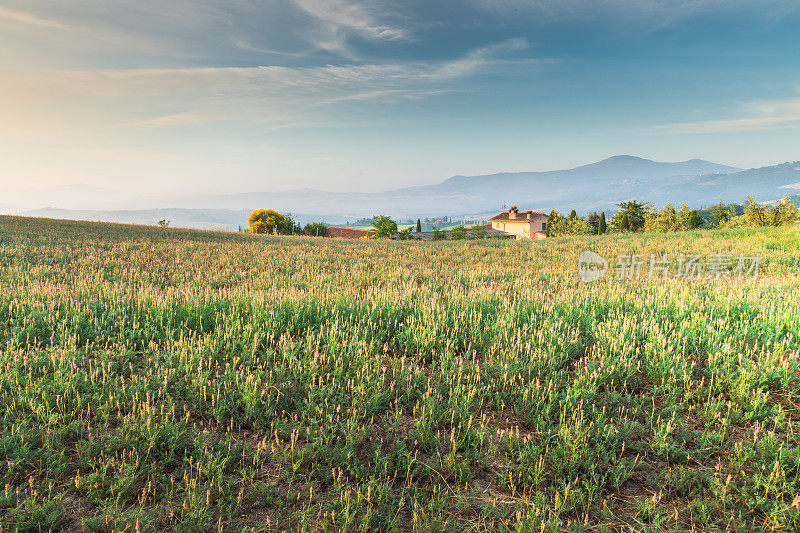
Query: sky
pixel 228 96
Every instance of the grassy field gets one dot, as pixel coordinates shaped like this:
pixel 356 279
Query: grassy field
pixel 161 379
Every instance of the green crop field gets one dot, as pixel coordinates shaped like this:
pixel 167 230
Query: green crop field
pixel 163 379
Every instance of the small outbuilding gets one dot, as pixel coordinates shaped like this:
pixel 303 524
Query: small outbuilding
pixel 341 232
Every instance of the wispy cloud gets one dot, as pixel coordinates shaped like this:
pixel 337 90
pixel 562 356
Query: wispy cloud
pixel 479 58
pixel 763 115
pixel 279 95
pixel 215 32
pixel 351 16
pixel 28 18
pixel 651 9
pixel 339 20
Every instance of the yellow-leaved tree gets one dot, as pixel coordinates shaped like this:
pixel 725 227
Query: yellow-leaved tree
pixel 265 221
pixel 780 213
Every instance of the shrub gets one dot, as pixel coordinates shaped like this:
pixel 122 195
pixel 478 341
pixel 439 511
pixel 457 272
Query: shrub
pixel 459 233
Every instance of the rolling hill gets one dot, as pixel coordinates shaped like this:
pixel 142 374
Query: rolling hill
pixel 213 219
pixel 596 186
pixel 590 187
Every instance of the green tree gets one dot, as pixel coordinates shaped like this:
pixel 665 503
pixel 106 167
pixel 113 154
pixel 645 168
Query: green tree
pixel 634 213
pixel 602 226
pixel 459 233
pixel 594 221
pixel 419 226
pixel 265 221
pixel 479 231
pixel 439 235
pixel 567 225
pixel 164 223
pixel 720 215
pixel 576 226
pixel 695 220
pixel 316 229
pixel 783 212
pixel 553 222
pixel 684 213
pixel 624 223
pixel 663 221
pixel 383 226
pixel 287 226
pixel 573 215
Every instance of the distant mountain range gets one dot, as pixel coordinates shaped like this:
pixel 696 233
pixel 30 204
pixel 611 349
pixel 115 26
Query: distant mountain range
pixel 597 186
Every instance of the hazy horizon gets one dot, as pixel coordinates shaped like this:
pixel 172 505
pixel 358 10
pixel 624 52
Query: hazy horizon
pixel 385 188
pixel 213 97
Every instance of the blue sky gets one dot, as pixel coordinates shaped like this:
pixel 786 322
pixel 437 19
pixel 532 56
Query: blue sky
pixel 239 95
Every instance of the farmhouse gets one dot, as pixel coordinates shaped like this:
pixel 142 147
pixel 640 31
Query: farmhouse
pixel 521 224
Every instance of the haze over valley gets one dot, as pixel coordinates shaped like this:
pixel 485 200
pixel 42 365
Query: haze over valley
pixel 593 187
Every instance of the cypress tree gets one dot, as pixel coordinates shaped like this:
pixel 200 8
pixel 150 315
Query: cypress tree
pixel 602 226
pixel 624 223
pixel 419 226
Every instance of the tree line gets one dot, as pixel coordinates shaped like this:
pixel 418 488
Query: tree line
pixel 269 221
pixel 635 216
pixel 632 216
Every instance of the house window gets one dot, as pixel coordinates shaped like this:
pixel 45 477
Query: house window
pixel 544 226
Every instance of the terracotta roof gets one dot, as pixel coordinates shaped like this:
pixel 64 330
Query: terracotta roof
pixel 348 233
pixel 522 216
